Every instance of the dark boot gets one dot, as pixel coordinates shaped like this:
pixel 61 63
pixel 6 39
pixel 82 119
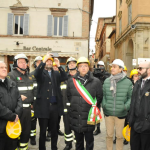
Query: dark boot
pixel 60 133
pixel 48 139
pixel 49 134
pixel 68 146
pixel 32 140
pixel 125 142
pixel 98 131
pixel 114 141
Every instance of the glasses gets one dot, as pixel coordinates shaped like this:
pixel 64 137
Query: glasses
pixel 140 68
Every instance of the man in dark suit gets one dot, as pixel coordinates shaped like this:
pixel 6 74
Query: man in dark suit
pixel 48 105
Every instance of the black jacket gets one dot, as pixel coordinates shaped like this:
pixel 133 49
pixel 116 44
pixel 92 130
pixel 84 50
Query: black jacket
pixel 139 114
pixel 101 75
pixel 24 83
pixel 10 103
pixel 66 103
pixel 34 84
pixel 44 83
pixel 79 108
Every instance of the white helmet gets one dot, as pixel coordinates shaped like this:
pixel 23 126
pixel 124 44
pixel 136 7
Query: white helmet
pixel 18 56
pixel 118 62
pixel 71 59
pixel 37 58
pixel 101 63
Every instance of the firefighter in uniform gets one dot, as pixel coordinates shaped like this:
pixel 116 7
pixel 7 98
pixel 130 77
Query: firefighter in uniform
pixel 24 82
pixel 36 63
pixel 71 63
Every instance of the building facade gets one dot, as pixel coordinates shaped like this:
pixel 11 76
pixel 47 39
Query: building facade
pixel 112 38
pixel 102 49
pixel 37 27
pixel 132 31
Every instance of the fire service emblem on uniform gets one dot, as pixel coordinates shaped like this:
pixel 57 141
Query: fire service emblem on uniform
pixel 30 78
pixel 147 94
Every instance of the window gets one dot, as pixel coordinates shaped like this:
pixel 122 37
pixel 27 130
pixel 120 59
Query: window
pixel 120 2
pixel 18 24
pixel 120 25
pixel 130 13
pixel 58 26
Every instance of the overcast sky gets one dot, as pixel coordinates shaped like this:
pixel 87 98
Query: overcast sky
pixel 102 8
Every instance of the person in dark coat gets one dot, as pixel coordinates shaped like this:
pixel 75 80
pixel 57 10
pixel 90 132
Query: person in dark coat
pixel 79 108
pixel 68 135
pixel 24 81
pixel 102 75
pixel 48 104
pixel 139 114
pixel 10 107
pixel 36 62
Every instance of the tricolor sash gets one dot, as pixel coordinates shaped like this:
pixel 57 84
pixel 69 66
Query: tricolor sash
pixel 94 115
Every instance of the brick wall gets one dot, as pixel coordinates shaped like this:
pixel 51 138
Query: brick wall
pixel 85 18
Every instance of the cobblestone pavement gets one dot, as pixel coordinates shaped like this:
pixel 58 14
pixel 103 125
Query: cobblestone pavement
pixel 99 140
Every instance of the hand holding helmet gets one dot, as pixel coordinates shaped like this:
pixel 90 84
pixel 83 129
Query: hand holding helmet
pixel 57 62
pixel 47 56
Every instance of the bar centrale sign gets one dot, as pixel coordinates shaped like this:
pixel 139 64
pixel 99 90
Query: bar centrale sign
pixel 34 48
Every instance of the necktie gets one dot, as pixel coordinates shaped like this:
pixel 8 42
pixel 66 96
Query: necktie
pixel 143 82
pixel 49 73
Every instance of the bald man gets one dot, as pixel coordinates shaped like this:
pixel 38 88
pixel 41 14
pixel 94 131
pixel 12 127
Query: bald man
pixel 139 115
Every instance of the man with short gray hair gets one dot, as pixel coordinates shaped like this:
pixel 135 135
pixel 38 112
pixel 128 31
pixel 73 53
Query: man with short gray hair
pixel 117 91
pixel 139 115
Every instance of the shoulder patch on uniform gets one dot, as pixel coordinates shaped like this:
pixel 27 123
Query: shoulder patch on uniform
pixel 30 78
pixel 8 77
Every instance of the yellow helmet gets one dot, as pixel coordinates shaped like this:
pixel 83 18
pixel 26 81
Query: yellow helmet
pixel 126 132
pixel 71 59
pixel 48 58
pixel 13 129
pixel 83 60
pixel 133 72
pixel 125 68
pixel 54 64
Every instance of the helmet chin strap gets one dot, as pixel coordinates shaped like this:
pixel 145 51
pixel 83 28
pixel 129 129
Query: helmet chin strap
pixel 73 68
pixel 22 69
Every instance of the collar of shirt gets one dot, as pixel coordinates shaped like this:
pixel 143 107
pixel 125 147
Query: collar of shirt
pixel 146 79
pixel 2 80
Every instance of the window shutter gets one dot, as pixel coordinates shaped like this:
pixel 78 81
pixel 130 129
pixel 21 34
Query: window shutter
pixel 26 24
pixel 65 26
pixel 50 25
pixel 10 24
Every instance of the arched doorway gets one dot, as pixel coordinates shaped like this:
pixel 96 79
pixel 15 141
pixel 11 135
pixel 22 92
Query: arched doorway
pixel 129 56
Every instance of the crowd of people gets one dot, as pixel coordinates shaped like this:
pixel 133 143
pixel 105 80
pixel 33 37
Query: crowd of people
pixel 77 94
